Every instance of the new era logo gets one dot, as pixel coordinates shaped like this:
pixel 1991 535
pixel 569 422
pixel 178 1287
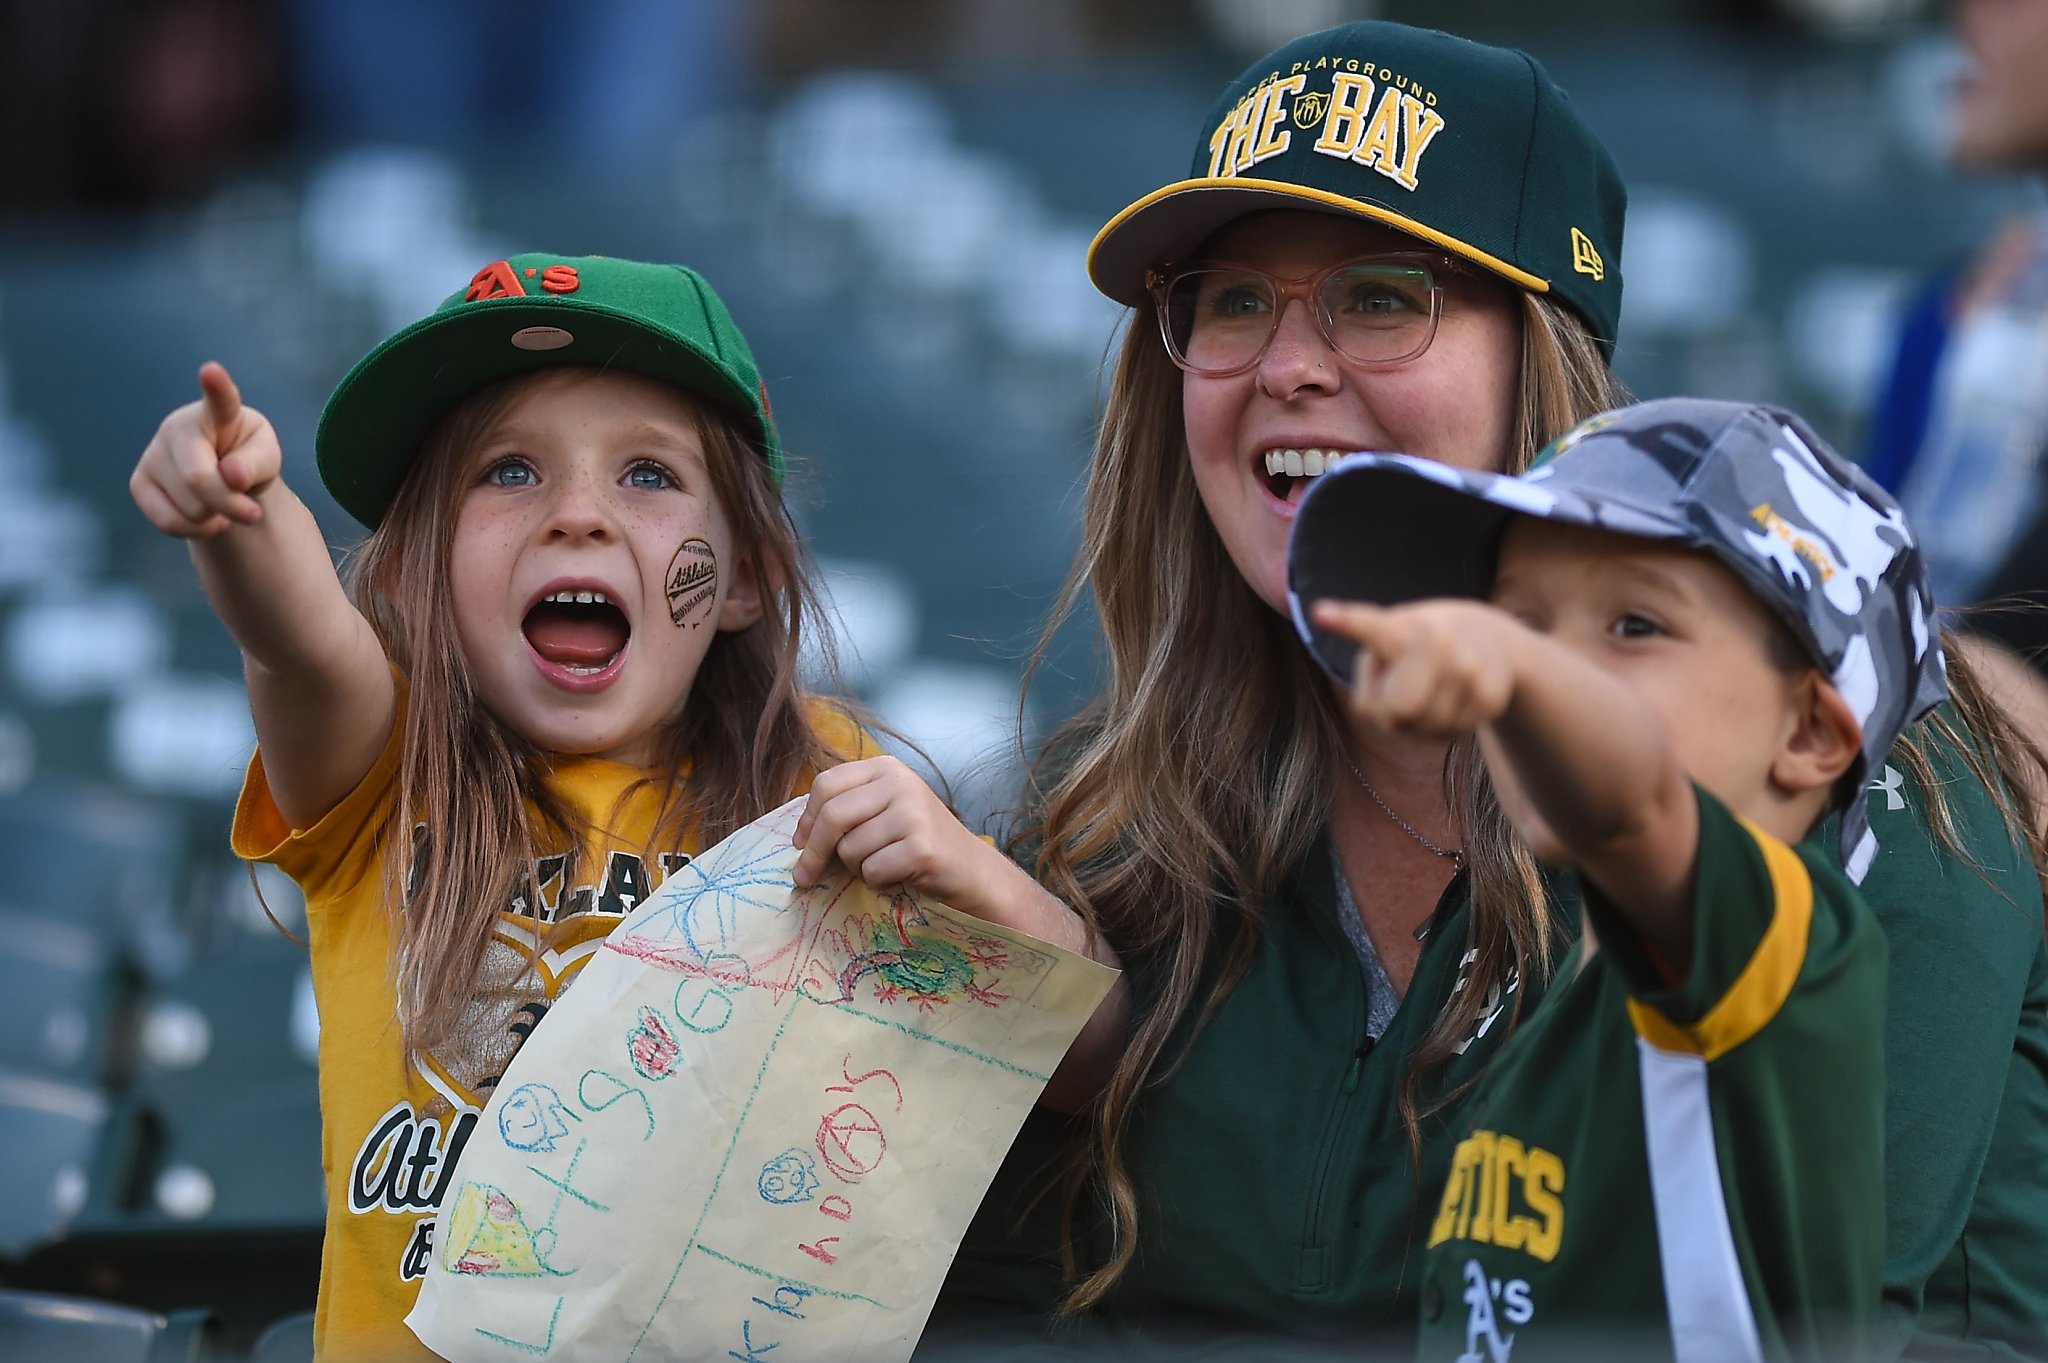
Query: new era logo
pixel 1586 260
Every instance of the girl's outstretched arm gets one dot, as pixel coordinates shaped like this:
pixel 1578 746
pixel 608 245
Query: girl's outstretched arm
pixel 879 818
pixel 1581 761
pixel 320 689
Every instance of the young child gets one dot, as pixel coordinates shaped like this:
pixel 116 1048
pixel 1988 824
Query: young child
pixel 565 660
pixel 1705 628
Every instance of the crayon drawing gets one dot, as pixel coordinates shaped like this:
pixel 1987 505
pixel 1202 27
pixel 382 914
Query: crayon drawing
pixel 756 1126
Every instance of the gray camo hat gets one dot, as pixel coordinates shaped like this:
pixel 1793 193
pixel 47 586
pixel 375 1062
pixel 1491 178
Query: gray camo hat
pixel 1804 529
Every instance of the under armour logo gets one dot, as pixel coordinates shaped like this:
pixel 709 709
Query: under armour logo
pixel 1891 783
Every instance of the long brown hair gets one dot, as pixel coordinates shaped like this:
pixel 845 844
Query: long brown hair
pixel 746 737
pixel 1169 844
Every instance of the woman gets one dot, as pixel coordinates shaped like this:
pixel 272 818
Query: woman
pixel 1393 239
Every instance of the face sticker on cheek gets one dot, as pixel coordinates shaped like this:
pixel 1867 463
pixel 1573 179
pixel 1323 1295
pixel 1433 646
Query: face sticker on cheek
pixel 692 583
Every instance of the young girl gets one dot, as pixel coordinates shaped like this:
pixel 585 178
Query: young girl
pixel 564 660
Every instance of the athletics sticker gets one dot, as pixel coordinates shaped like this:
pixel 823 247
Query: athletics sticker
pixel 692 583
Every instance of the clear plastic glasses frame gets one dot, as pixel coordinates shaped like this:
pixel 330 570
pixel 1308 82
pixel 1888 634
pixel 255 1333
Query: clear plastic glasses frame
pixel 1379 310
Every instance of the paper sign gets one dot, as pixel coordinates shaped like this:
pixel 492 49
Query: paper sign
pixel 755 1127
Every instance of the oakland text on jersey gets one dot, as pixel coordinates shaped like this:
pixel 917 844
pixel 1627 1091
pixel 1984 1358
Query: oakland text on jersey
pixel 547 890
pixel 402 1165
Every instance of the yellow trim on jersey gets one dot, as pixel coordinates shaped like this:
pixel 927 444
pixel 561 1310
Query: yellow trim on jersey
pixel 1534 283
pixel 1764 984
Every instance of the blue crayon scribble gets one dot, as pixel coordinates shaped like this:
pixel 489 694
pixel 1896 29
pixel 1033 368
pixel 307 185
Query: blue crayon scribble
pixel 533 1118
pixel 791 1176
pixel 701 905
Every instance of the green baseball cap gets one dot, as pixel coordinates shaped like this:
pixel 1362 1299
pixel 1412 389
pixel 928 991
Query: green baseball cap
pixel 1468 146
pixel 518 316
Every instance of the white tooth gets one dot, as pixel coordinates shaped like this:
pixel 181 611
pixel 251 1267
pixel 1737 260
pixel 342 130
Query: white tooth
pixel 583 598
pixel 1273 462
pixel 600 598
pixel 1312 463
pixel 1294 463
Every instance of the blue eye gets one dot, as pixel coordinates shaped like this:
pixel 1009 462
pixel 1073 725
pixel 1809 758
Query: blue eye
pixel 649 477
pixel 511 472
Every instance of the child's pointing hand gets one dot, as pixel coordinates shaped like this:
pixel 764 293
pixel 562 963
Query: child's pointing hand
pixel 1436 669
pixel 208 462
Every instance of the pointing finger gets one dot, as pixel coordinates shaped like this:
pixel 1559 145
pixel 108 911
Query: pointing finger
pixel 223 405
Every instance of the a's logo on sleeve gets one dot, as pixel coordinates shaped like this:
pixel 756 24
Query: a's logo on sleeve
pixel 1585 258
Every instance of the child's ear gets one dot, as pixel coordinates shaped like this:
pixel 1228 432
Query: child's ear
pixel 1825 739
pixel 743 597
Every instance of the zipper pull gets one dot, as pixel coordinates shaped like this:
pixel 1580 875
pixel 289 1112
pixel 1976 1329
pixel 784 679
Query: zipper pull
pixel 1357 1066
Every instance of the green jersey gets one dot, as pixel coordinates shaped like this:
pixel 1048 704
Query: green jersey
pixel 1708 1156
pixel 1280 1196
pixel 1281 1199
pixel 1966 1070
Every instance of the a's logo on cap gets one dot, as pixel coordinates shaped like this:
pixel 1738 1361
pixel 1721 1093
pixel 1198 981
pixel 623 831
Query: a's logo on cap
pixel 495 280
pixel 1586 259
pixel 499 280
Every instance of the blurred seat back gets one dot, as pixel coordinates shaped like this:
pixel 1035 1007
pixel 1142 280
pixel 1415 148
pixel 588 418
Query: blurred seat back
pixel 65 992
pixel 289 1340
pixel 50 1132
pixel 37 1326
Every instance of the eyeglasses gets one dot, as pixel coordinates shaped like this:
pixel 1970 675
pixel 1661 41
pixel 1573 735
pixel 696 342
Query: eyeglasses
pixel 1377 310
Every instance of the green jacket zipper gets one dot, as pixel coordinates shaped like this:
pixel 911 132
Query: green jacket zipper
pixel 1311 1272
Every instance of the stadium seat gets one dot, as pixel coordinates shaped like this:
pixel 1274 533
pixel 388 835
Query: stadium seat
pixel 64 995
pixel 51 1132
pixel 289 1340
pixel 37 1326
pixel 207 1155
pixel 232 1018
pixel 90 856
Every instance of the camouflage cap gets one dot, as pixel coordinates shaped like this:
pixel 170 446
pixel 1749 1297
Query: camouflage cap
pixel 1817 541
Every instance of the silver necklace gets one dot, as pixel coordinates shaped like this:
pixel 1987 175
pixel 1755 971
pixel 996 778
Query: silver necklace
pixel 1454 855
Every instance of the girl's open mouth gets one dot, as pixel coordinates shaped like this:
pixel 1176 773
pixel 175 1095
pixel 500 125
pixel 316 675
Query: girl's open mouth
pixel 579 631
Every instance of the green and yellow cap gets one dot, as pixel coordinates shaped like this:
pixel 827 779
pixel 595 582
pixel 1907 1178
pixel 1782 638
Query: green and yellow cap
pixel 1471 147
pixel 517 316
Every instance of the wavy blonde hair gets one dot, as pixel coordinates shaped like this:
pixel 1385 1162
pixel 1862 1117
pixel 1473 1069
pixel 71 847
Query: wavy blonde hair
pixel 1167 815
pixel 746 737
